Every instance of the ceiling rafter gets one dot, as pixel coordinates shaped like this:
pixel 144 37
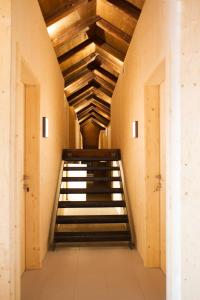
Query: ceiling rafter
pixel 97 117
pixel 77 66
pixel 94 99
pixel 75 29
pixel 94 122
pixel 113 30
pixel 127 8
pixel 63 11
pixel 91 106
pixel 104 83
pixel 91 45
pixel 75 50
pixel 92 111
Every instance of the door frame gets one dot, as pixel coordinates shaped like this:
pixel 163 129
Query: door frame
pixel 152 166
pixel 31 176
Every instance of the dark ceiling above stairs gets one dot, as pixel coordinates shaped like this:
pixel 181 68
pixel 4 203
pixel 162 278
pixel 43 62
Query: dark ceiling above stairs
pixel 91 39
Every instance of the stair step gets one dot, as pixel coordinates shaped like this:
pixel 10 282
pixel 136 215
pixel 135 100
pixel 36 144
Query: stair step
pixel 90 219
pixel 78 204
pixel 99 236
pixel 68 179
pixel 97 190
pixel 91 154
pixel 95 168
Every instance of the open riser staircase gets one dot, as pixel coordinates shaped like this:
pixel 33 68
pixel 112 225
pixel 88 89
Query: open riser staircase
pixel 91 204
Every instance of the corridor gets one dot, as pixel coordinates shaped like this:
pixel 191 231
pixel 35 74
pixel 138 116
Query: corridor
pixel 93 274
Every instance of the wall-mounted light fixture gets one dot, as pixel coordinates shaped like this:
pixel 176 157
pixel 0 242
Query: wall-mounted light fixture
pixel 45 127
pixel 135 129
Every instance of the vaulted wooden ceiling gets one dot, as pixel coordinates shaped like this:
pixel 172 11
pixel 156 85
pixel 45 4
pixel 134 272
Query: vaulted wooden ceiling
pixel 91 38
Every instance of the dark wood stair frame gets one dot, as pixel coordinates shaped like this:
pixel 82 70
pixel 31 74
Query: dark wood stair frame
pixel 97 157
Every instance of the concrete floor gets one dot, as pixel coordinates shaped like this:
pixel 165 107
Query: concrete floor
pixel 93 274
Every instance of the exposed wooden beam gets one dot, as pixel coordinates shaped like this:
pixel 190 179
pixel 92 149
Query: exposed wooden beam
pixel 114 31
pixel 126 8
pixel 105 75
pixel 102 95
pixel 94 121
pixel 78 83
pixel 100 100
pixel 75 50
pixel 97 117
pixel 101 88
pixel 110 53
pixel 82 63
pixel 104 83
pixel 78 75
pixel 109 63
pixel 95 113
pixel 81 91
pixel 63 11
pixel 91 106
pixel 91 99
pixel 75 29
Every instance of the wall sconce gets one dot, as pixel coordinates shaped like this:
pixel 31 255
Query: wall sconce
pixel 45 127
pixel 135 129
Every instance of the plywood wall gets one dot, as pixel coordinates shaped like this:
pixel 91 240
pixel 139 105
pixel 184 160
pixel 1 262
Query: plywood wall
pixel 31 45
pixel 149 47
pixel 190 147
pixel 32 48
pixel 6 243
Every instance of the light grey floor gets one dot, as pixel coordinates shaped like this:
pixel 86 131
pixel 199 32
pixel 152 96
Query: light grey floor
pixel 93 274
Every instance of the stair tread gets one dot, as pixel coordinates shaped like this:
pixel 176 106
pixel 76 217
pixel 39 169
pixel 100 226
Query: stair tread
pixel 88 159
pixel 91 154
pixel 94 168
pixel 98 219
pixel 93 190
pixel 89 233
pixel 92 236
pixel 91 203
pixel 88 178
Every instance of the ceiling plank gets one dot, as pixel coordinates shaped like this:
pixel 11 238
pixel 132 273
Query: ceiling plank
pixel 75 29
pixel 100 100
pixel 63 11
pixel 94 121
pixel 97 117
pixel 110 64
pixel 105 75
pixel 81 91
pixel 127 8
pixel 108 50
pixel 82 63
pixel 92 98
pixel 92 111
pixel 75 50
pixel 79 82
pixel 90 106
pixel 102 107
pixel 114 31
pixel 104 83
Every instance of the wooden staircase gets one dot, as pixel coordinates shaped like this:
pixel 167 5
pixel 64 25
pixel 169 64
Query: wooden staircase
pixel 91 205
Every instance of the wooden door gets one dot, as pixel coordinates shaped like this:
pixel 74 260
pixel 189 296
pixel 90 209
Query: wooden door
pixel 32 177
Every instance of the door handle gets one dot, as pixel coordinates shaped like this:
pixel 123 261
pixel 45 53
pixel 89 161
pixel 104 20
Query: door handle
pixel 26 187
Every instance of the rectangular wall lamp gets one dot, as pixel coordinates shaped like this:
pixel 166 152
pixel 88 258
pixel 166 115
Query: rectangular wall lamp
pixel 45 127
pixel 135 129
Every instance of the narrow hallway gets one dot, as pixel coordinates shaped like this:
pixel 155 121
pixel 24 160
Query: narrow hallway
pixel 93 274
